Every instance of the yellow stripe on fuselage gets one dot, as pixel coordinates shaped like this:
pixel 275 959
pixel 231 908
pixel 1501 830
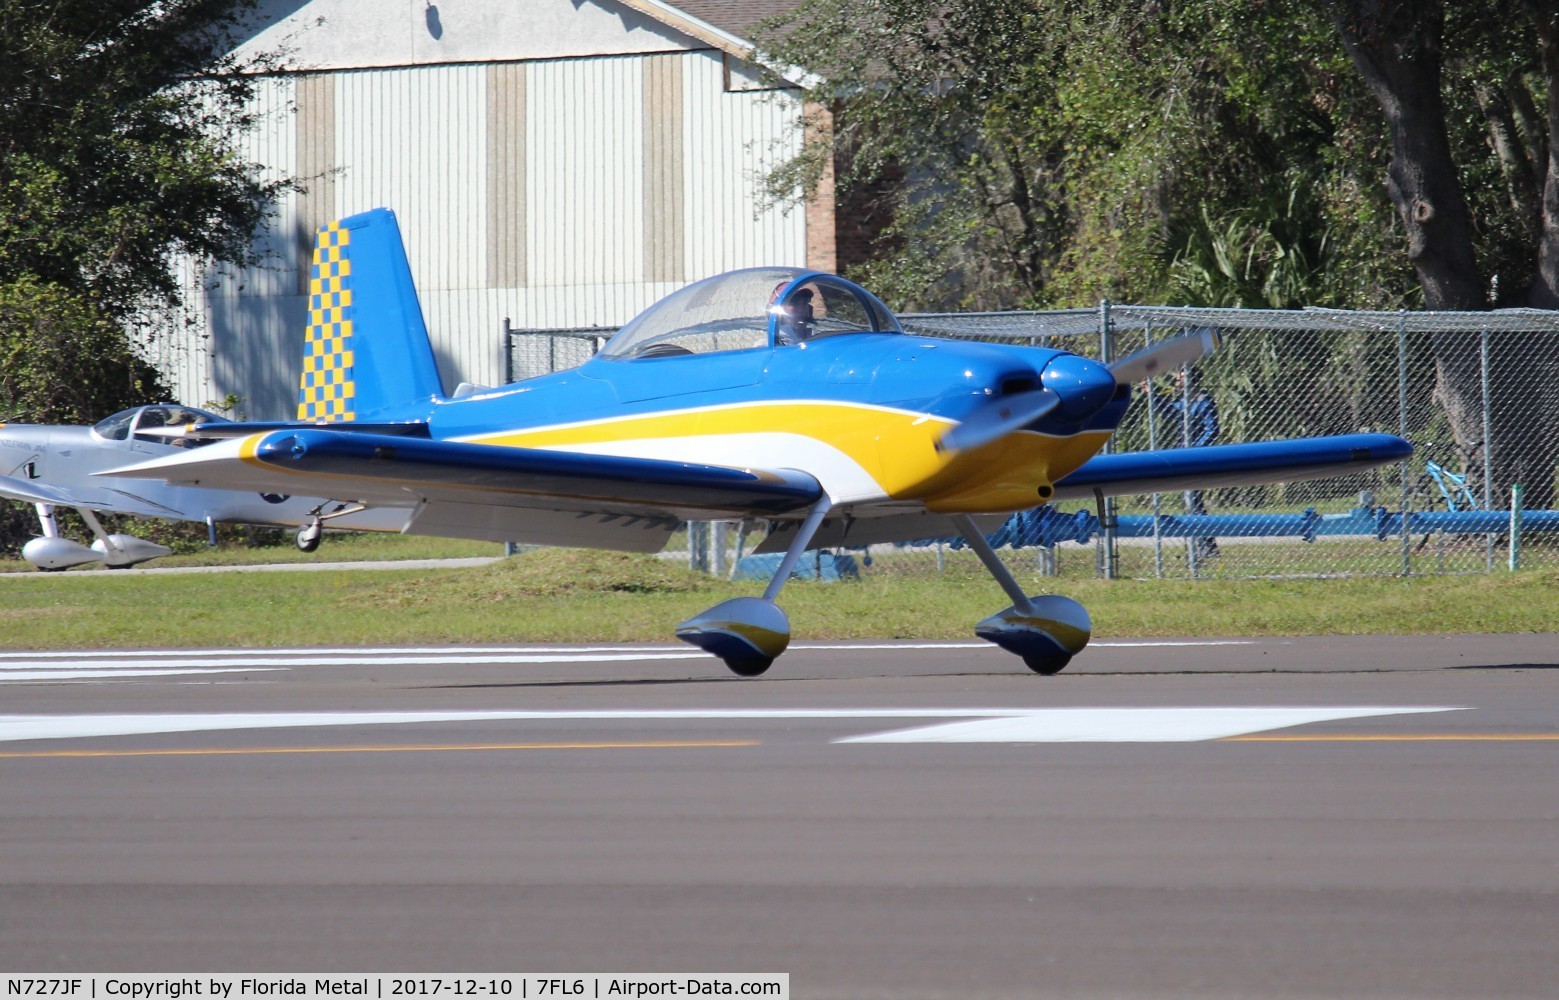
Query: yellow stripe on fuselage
pixel 896 448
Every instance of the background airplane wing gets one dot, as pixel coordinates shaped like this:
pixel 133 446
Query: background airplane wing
pixel 104 498
pixel 212 430
pixel 487 492
pixel 1213 466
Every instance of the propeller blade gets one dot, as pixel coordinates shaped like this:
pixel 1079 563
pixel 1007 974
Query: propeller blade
pixel 1164 356
pixel 1000 416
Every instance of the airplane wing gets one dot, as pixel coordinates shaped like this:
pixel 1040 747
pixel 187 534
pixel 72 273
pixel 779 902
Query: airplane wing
pixel 489 492
pixel 113 501
pixel 1212 466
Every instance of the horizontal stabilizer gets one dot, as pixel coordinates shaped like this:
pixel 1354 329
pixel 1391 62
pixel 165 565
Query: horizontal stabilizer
pixel 1214 466
pixel 30 492
pixel 92 498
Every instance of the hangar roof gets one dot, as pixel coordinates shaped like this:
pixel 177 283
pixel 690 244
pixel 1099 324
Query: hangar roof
pixel 726 24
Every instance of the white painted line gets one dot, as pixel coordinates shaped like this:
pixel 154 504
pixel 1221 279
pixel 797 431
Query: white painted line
pixel 344 661
pixel 513 654
pixel 9 676
pixel 1103 643
pixel 1127 725
pixel 1002 725
pixel 342 651
pixel 297 567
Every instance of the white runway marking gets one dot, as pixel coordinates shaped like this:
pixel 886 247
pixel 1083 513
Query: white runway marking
pixel 113 672
pixel 234 663
pixel 979 725
pixel 1126 725
pixel 577 650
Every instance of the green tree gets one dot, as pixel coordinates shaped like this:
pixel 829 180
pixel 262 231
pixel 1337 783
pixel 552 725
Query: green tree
pixel 1447 81
pixel 1055 152
pixel 119 129
pixel 1356 153
pixel 62 360
pixel 930 105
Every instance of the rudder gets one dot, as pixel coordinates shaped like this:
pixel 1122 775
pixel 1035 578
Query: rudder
pixel 366 353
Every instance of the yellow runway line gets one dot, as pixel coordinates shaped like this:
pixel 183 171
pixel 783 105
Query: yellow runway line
pixel 410 748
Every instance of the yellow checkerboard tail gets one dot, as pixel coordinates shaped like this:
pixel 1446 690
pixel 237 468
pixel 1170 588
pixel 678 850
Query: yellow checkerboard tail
pixel 366 353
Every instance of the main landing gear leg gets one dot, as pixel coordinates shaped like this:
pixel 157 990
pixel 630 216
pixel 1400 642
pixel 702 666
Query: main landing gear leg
pixel 748 633
pixel 1046 630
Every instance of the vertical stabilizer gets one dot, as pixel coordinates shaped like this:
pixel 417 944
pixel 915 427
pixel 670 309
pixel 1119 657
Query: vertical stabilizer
pixel 366 353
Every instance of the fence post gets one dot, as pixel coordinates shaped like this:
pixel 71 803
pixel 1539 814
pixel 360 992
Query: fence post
pixel 1407 498
pixel 508 351
pixel 1109 558
pixel 1158 535
pixel 698 546
pixel 719 563
pixel 1515 527
pixel 1488 448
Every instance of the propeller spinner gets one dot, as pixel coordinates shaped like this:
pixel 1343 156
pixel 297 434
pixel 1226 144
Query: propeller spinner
pixel 1077 386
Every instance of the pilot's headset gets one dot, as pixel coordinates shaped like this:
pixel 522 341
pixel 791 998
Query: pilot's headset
pixel 795 318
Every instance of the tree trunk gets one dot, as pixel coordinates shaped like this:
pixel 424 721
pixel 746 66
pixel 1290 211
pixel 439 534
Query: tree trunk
pixel 1396 47
pixel 1545 290
pixel 1544 293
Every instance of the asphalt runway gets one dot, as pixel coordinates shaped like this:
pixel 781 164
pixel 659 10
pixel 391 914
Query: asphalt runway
pixel 1315 817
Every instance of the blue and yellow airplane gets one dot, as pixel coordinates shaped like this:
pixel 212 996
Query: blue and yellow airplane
pixel 776 396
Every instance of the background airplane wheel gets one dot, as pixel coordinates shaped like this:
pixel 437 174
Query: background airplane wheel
pixel 1047 664
pixel 306 542
pixel 749 666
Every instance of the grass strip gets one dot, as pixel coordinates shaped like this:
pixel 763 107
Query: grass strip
pixel 557 595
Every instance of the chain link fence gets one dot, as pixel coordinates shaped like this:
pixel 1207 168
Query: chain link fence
pixel 1476 393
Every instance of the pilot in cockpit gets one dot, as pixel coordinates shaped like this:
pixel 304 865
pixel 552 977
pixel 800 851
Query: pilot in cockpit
pixel 795 318
pixel 152 418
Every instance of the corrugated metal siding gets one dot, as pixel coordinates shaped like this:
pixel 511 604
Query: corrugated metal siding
pixel 242 332
pixel 554 193
pixel 665 183
pixel 733 138
pixel 415 140
pixel 507 263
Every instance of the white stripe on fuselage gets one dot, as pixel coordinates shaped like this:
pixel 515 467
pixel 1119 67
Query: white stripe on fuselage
pixel 843 479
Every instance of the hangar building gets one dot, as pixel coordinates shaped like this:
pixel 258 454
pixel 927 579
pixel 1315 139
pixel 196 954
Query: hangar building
pixel 558 163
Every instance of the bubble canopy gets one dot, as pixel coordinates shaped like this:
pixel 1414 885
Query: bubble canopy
pixel 756 307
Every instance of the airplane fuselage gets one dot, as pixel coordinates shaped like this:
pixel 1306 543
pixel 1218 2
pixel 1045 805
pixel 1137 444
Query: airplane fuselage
pixel 864 413
pixel 772 394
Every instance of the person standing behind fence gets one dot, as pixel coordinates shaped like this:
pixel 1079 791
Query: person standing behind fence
pixel 1193 411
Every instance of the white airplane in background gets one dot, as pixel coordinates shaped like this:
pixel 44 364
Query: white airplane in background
pixel 52 466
